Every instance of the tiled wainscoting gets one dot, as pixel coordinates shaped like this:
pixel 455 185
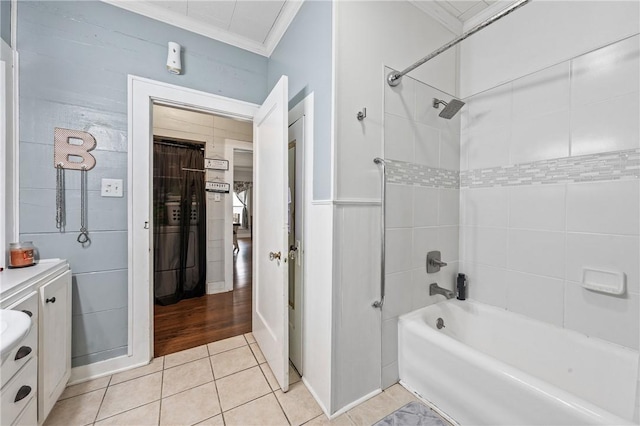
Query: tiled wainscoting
pixel 223 383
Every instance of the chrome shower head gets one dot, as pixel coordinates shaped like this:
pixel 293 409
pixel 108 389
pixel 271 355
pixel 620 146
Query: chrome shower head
pixel 451 108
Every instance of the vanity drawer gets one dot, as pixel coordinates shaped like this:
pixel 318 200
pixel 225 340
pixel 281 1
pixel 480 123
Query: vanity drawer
pixel 28 348
pixel 20 390
pixel 29 416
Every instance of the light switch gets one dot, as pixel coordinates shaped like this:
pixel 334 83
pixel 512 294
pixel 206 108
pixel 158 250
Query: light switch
pixel 111 188
pixel 216 197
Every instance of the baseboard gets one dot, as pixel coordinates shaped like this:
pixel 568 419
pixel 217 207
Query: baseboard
pixel 107 367
pixel 315 396
pixel 217 287
pixel 354 403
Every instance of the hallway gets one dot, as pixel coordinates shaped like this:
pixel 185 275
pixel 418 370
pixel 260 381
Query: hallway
pixel 201 320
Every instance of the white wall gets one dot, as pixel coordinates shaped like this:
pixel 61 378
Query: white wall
pixel 575 118
pixel 368 36
pixel 213 130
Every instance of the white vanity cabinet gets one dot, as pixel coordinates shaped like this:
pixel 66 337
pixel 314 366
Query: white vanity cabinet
pixel 43 292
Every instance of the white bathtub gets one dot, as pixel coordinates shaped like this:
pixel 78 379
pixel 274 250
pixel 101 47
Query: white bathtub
pixel 493 367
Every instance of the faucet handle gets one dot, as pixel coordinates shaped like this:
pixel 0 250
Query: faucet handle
pixel 433 262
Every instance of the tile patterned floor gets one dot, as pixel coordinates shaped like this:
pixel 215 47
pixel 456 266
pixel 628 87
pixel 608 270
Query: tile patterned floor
pixel 222 383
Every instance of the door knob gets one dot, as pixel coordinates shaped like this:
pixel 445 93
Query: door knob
pixel 293 252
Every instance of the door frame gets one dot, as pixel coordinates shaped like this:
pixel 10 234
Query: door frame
pixel 142 94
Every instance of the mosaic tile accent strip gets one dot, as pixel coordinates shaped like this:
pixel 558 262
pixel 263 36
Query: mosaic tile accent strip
pixel 404 173
pixel 616 165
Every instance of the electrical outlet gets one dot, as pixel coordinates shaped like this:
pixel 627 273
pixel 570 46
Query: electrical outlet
pixel 111 188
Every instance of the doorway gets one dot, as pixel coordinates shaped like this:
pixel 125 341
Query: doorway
pixel 202 284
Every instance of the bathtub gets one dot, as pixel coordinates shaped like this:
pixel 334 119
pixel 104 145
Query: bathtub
pixel 490 366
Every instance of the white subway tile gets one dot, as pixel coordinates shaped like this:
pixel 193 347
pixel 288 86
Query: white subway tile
pixel 615 319
pixel 604 207
pixel 491 108
pixel 398 138
pixel 398 250
pixel 399 206
pixel 398 294
pixel 606 73
pixel 613 253
pixel 540 138
pixel 420 288
pixel 542 92
pixel 424 241
pixel 537 207
pixel 486 284
pixel 485 206
pixel 448 240
pixel 426 146
pixel 612 125
pixel 488 147
pixel 401 99
pixel 537 252
pixel 536 296
pixel 450 150
pixel 487 246
pixel 465 142
pixel 448 206
pixel 425 206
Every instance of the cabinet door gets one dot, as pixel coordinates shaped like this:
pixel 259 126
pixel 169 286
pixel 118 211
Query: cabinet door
pixel 55 342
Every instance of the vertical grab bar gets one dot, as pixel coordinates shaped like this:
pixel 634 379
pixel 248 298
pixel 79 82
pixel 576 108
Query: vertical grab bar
pixel 379 303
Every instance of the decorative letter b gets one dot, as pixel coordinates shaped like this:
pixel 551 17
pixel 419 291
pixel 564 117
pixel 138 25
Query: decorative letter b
pixel 64 150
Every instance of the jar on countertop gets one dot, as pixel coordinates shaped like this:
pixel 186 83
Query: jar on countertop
pixel 21 254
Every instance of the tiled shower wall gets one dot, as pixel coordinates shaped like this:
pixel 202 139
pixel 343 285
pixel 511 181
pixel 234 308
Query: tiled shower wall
pixel 550 185
pixel 422 155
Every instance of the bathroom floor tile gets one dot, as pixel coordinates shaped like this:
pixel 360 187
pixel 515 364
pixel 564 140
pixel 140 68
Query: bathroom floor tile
pixel 186 376
pixel 273 382
pixel 185 356
pixel 232 361
pixel 250 338
pixel 153 367
pixel 400 394
pixel 191 406
pixel 147 415
pixel 257 352
pixel 298 404
pixel 213 421
pixel 262 411
pixel 131 394
pixel 226 344
pixel 322 420
pixel 85 387
pixel 242 387
pixel 77 410
pixel 374 409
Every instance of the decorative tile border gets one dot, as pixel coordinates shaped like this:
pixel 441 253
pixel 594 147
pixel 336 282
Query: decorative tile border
pixel 584 168
pixel 400 172
pixel 617 165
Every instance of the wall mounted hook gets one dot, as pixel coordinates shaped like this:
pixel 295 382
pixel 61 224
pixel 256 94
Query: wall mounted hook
pixel 362 114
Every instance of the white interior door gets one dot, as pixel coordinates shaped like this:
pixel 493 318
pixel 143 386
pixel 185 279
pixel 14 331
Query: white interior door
pixel 296 165
pixel 270 248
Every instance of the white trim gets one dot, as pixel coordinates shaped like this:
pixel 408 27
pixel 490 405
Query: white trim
pixel 14 23
pixel 322 202
pixel 16 141
pixel 333 179
pixel 437 12
pixel 486 13
pixel 357 202
pixel 313 393
pixel 107 367
pixel 280 26
pixel 354 403
pixel 142 93
pixel 216 287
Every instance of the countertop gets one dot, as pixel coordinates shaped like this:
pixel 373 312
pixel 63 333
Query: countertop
pixel 13 281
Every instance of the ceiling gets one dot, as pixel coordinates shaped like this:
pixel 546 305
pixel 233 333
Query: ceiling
pixel 258 25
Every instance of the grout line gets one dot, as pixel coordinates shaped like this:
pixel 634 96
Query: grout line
pixel 282 408
pixel 95 418
pixel 161 392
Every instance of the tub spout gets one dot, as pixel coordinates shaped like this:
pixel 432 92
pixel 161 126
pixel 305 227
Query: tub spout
pixel 435 289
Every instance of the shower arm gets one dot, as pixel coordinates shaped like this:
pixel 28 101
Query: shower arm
pixel 394 77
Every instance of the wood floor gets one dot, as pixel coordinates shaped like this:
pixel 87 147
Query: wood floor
pixel 194 322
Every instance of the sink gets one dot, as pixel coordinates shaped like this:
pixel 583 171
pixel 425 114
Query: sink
pixel 14 326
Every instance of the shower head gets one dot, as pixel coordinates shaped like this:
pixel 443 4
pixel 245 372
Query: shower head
pixel 451 108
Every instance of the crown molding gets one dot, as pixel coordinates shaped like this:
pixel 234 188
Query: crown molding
pixel 440 14
pixel 286 16
pixel 486 13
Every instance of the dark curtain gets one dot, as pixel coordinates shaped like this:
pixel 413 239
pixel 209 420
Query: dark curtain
pixel 179 223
